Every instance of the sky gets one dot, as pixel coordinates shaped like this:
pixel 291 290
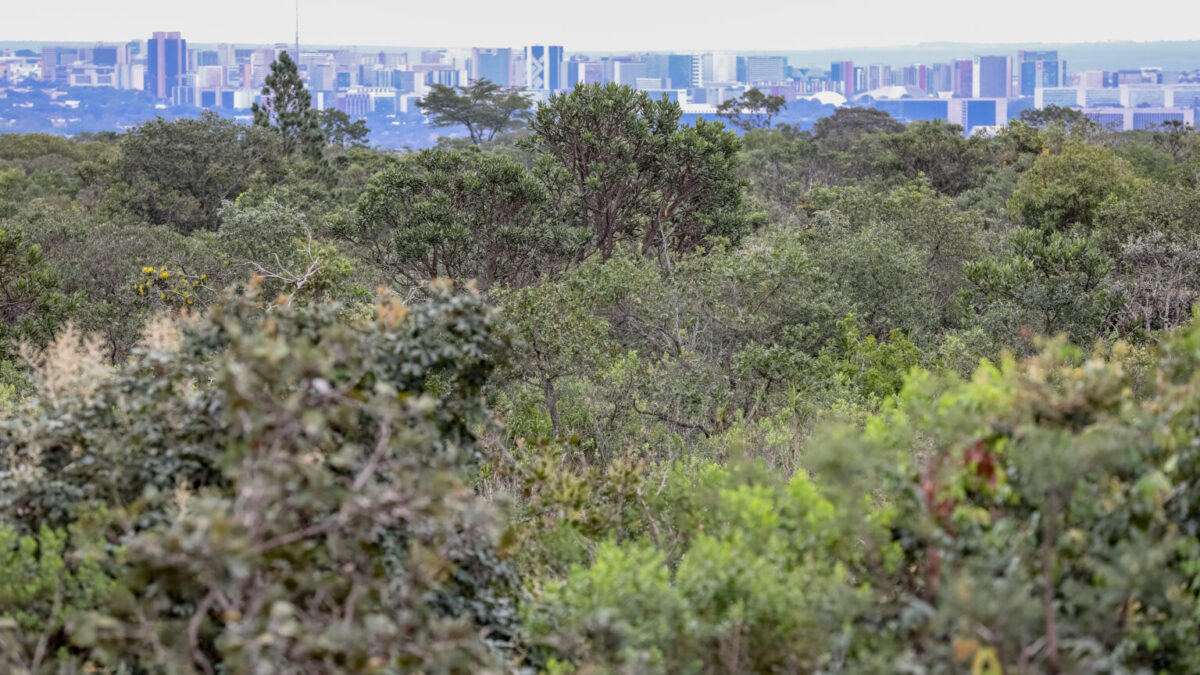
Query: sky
pixel 609 25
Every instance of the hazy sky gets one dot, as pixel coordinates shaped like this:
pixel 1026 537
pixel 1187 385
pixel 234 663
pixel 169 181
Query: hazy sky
pixel 609 24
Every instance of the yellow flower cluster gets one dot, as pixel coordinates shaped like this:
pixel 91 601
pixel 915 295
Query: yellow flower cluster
pixel 157 279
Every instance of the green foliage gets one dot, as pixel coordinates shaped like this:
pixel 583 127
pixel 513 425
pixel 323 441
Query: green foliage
pixel 1065 189
pixel 287 108
pixel 33 304
pixel 459 214
pixel 340 132
pixel 846 125
pixel 1050 283
pixel 483 107
pixel 618 164
pixel 751 110
pixel 277 482
pixel 179 173
pixel 690 404
pixel 48 586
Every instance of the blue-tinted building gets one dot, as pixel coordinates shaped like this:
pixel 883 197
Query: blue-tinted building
pixel 494 65
pixel 911 110
pixel 1040 69
pixel 166 60
pixel 544 68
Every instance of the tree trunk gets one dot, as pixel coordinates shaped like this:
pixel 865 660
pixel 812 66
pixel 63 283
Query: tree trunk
pixel 552 405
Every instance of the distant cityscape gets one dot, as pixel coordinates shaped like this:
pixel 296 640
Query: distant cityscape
pixel 980 92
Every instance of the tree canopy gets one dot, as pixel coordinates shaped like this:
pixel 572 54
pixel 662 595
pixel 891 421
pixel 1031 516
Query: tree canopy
pixel 617 394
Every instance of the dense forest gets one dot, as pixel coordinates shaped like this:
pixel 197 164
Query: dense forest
pixel 606 393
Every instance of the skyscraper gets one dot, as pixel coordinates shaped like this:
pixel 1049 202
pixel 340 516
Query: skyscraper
pixel 991 76
pixel 1040 69
pixel 841 74
pixel 683 70
pixel 543 67
pixel 49 63
pixel 166 59
pixel 493 65
pixel 765 68
pixel 961 78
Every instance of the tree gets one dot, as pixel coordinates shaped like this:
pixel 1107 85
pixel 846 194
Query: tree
pixel 1068 188
pixel 459 214
pixel 483 107
pixel 751 110
pixel 1053 115
pixel 289 488
pixel 32 305
pixel 846 125
pixel 287 106
pixel 781 166
pixel 618 164
pixel 178 173
pixel 340 132
pixel 934 149
pixel 1046 283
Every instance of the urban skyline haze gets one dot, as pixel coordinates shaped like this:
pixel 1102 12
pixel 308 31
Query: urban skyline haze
pixel 616 24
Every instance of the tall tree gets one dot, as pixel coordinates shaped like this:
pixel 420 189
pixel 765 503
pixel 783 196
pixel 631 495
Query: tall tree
pixel 751 110
pixel 287 106
pixel 483 107
pixel 340 132
pixel 460 214
pixel 177 173
pixel 619 163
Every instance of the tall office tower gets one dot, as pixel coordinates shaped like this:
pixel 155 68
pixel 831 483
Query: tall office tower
pixel 226 55
pixel 49 63
pixel 841 74
pixel 166 58
pixel 104 55
pixel 493 65
pixel 720 67
pixel 543 67
pixel 991 76
pixel 878 75
pixel 680 70
pixel 916 76
pixel 961 77
pixel 765 68
pixel 586 72
pixel 1040 69
pixel 697 79
pixel 941 78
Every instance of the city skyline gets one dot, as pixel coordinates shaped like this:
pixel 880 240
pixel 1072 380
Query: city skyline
pixel 617 25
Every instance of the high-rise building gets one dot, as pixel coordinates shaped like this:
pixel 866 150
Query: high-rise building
pixel 627 72
pixel 765 68
pixel 878 75
pixel 49 63
pixel 166 60
pixel 1040 69
pixel 991 76
pixel 683 71
pixel 961 76
pixel 494 65
pixel 941 78
pixel 841 74
pixel 103 55
pixel 720 67
pixel 544 68
pixel 586 72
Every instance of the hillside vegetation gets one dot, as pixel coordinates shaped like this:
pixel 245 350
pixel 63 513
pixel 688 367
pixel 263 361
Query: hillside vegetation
pixel 604 394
